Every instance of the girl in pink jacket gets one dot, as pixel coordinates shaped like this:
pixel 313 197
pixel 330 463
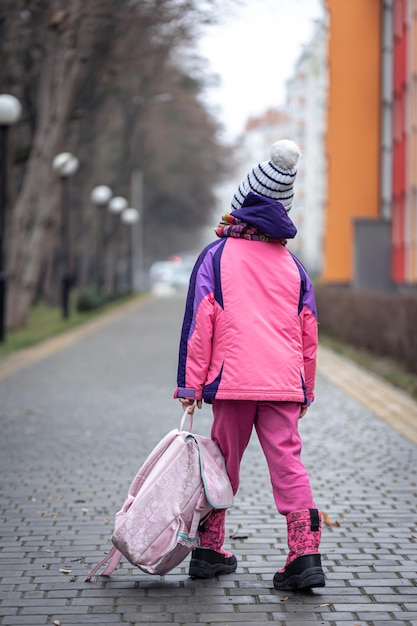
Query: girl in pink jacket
pixel 248 346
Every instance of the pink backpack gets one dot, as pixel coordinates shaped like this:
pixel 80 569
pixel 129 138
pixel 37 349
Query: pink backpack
pixel 181 481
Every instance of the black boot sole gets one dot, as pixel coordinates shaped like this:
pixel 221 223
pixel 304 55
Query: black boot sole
pixel 203 569
pixel 302 574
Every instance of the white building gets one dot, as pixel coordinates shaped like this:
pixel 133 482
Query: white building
pixel 303 119
pixel 306 107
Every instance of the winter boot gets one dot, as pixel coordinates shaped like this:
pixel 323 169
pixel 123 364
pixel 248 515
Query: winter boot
pixel 303 565
pixel 210 559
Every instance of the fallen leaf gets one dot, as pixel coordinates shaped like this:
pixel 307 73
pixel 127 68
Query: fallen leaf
pixel 84 510
pixel 65 571
pixel 284 599
pixel 47 513
pixel 57 622
pixel 328 521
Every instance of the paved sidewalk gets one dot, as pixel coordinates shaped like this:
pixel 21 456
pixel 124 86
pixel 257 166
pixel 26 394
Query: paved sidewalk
pixel 79 419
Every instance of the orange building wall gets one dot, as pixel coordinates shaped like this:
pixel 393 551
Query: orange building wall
pixel 353 128
pixel 412 170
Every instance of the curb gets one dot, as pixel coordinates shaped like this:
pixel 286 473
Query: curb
pixel 393 406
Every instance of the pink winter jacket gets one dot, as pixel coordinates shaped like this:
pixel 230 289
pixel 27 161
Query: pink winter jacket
pixel 250 324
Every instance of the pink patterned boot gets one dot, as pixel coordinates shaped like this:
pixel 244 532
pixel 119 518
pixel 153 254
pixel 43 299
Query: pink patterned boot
pixel 210 559
pixel 303 565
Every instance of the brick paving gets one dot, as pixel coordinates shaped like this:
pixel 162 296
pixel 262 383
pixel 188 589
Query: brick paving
pixel 78 420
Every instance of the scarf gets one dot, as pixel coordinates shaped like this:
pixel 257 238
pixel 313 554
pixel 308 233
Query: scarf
pixel 231 226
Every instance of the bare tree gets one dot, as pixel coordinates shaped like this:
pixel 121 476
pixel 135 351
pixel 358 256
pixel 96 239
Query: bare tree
pixel 89 74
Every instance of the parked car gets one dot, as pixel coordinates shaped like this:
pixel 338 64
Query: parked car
pixel 170 276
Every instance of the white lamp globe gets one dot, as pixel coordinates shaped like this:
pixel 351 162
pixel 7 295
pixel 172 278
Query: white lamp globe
pixel 71 167
pixel 130 216
pixel 10 110
pixel 65 164
pixel 117 204
pixel 101 194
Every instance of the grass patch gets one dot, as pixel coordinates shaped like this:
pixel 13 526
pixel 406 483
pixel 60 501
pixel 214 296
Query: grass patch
pixel 45 321
pixel 385 367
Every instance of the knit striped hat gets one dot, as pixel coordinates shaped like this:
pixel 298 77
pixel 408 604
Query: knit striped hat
pixel 273 179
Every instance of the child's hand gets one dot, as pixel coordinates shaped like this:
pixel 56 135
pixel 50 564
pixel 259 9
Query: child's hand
pixel 190 403
pixel 303 411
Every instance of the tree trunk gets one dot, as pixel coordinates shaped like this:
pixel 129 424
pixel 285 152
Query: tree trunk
pixel 36 216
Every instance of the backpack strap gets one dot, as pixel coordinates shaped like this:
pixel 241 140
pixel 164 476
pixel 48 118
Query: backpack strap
pixel 192 539
pixel 113 560
pixel 194 526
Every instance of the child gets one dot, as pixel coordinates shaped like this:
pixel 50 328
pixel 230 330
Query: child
pixel 248 346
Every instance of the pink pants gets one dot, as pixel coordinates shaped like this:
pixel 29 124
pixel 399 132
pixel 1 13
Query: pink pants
pixel 276 425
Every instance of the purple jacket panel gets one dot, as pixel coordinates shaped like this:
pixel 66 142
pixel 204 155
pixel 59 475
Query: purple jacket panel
pixel 207 268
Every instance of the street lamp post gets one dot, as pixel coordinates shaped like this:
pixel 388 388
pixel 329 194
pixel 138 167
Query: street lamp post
pixel 130 217
pixel 117 204
pixel 10 111
pixel 65 165
pixel 137 201
pixel 100 196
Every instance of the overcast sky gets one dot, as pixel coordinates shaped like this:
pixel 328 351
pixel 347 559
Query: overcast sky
pixel 254 52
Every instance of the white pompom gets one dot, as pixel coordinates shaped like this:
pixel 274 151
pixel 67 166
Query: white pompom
pixel 285 154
